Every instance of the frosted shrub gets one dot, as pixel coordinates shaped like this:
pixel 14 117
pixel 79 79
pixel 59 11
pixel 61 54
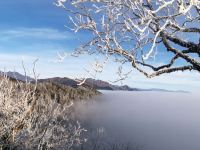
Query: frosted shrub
pixel 31 120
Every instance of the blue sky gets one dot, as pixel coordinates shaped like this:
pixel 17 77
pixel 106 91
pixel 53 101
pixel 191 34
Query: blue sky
pixel 32 29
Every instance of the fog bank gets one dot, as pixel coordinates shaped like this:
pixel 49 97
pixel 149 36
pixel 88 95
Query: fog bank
pixel 143 120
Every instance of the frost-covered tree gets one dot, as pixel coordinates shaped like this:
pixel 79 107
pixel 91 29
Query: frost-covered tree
pixel 138 31
pixel 31 119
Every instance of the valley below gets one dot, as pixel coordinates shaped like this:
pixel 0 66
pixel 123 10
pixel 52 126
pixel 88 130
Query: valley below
pixel 141 121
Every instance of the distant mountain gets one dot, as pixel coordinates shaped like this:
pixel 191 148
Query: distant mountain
pixel 64 81
pixel 89 83
pixel 164 90
pixel 17 76
pixel 103 85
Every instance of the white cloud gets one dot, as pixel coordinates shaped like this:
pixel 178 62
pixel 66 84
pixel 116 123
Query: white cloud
pixel 15 57
pixel 36 33
pixel 46 67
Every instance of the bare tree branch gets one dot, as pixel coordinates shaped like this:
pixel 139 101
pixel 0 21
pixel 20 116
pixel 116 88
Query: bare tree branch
pixel 136 30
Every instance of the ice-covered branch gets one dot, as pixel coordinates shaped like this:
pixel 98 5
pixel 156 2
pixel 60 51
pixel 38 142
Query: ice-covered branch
pixel 133 30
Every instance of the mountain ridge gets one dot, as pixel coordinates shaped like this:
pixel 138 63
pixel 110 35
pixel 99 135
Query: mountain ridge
pixel 17 76
pixel 89 83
